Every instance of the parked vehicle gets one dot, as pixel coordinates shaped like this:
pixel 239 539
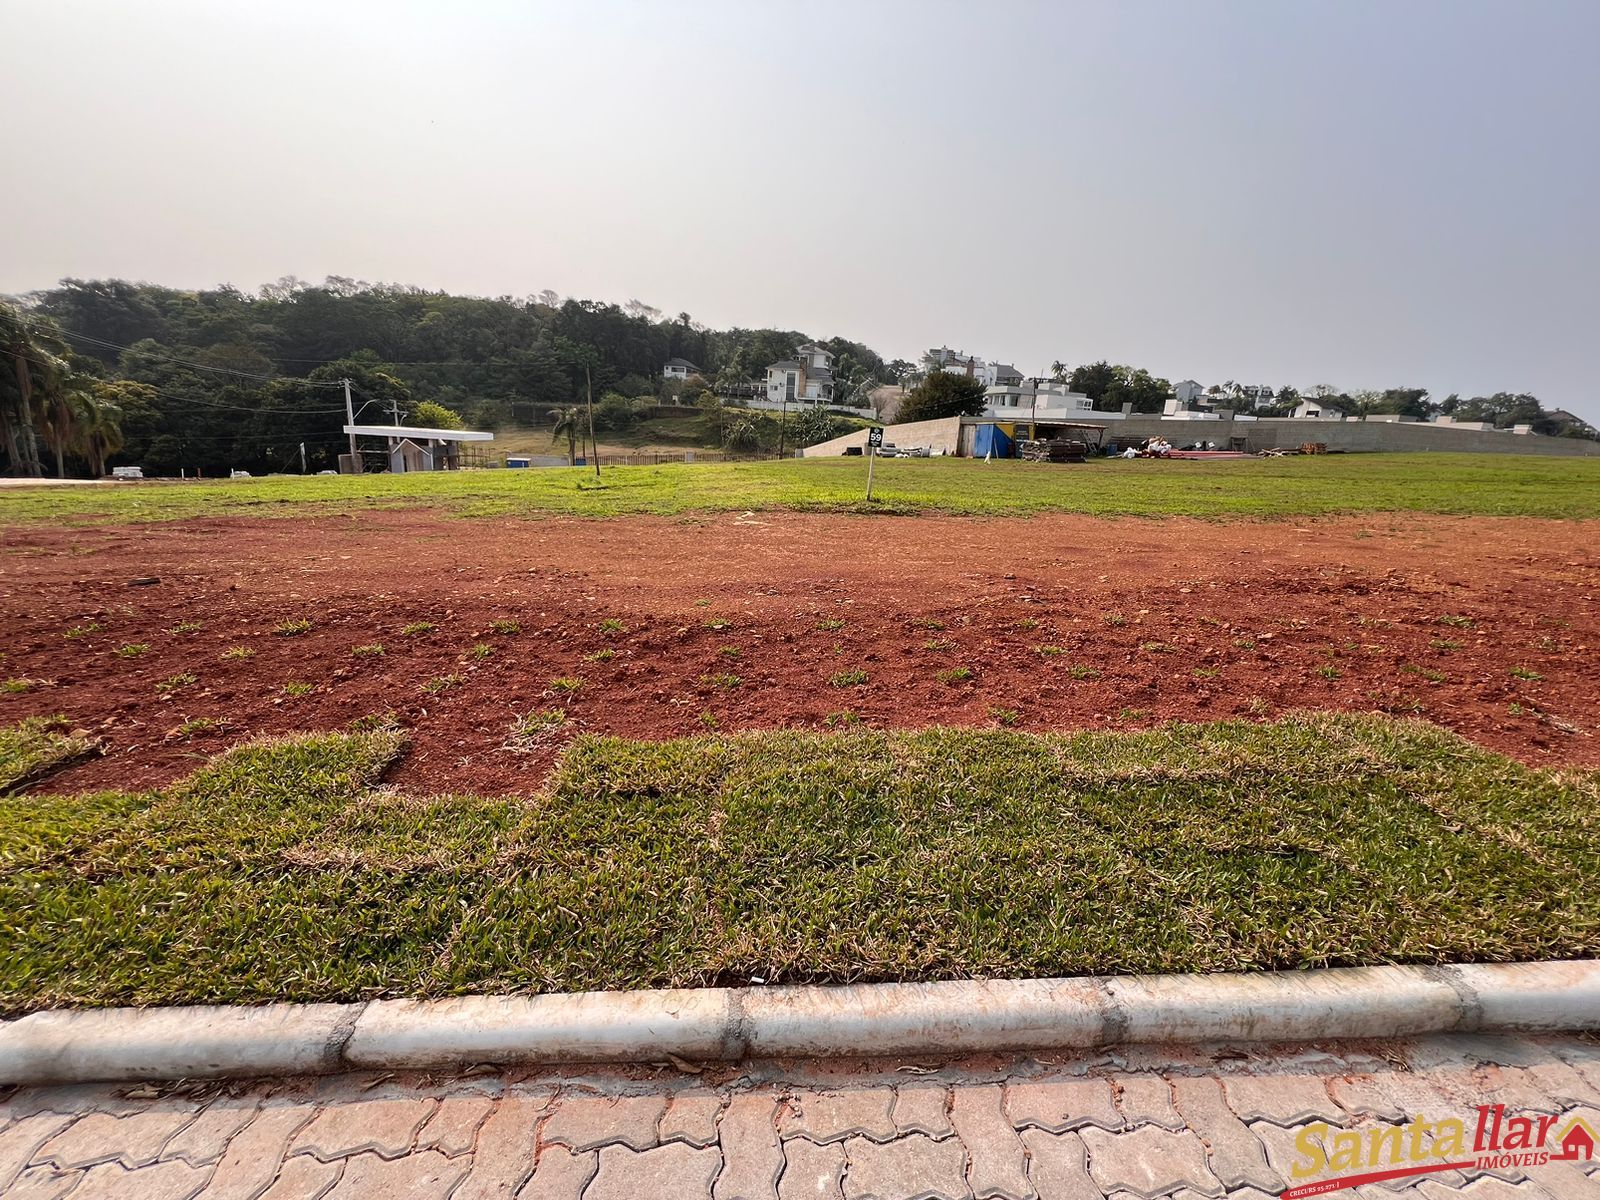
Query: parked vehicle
pixel 127 472
pixel 239 475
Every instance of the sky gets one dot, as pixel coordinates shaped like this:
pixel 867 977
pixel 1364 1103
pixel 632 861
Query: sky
pixel 1401 193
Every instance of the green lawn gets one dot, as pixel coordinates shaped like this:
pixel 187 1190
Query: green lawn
pixel 277 872
pixel 33 748
pixel 1467 484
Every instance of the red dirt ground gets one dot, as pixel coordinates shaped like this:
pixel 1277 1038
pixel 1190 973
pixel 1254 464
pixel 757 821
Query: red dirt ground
pixel 1181 618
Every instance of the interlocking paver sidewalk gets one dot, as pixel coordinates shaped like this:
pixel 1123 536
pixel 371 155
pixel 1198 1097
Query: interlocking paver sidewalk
pixel 1213 1121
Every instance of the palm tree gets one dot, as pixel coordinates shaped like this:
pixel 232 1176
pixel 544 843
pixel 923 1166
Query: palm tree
pixel 569 421
pixel 61 423
pixel 100 434
pixel 36 368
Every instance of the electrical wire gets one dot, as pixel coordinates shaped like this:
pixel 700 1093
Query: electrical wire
pixel 164 353
pixel 300 412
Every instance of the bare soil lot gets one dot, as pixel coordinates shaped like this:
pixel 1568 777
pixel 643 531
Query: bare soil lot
pixel 663 626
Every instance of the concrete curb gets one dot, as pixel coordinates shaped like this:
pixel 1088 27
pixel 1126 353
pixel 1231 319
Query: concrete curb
pixel 939 1019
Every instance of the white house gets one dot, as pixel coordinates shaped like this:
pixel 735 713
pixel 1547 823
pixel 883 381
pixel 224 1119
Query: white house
pixel 679 368
pixel 1317 410
pixel 958 363
pixel 808 377
pixel 1035 400
pixel 1188 392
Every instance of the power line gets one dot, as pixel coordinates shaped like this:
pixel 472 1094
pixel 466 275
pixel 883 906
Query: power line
pixel 217 404
pixel 164 353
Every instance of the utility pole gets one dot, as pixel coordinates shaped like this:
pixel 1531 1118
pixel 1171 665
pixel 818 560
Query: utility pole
pixel 350 419
pixel 783 421
pixel 588 387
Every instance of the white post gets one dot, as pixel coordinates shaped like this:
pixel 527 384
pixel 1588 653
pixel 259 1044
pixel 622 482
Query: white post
pixel 872 455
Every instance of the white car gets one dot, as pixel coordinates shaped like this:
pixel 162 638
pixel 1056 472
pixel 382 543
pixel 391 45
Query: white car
pixel 238 474
pixel 127 472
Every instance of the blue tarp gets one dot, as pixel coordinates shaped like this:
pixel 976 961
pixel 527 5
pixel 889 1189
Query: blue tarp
pixel 991 440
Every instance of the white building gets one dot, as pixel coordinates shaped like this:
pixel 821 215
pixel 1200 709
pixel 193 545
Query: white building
pixel 808 377
pixel 679 368
pixel 990 374
pixel 1317 410
pixel 1037 400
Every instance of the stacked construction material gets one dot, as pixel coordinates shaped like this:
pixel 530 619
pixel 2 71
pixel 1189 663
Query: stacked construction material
pixel 1052 450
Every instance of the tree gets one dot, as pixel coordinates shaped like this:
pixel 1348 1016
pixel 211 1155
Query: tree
pixel 1060 372
pixel 943 394
pixel 1093 379
pixel 569 421
pixel 101 431
pixel 1137 387
pixel 900 370
pixel 36 373
pixel 614 412
pixel 61 421
pixel 436 416
pixel 1408 402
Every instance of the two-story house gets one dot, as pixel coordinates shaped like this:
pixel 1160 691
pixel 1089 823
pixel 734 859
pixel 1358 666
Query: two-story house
pixel 806 378
pixel 679 368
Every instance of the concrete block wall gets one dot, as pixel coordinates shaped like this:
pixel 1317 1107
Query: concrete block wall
pixel 941 436
pixel 946 436
pixel 1344 435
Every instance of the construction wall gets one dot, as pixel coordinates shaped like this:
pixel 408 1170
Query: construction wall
pixel 1341 435
pixel 953 435
pixel 941 437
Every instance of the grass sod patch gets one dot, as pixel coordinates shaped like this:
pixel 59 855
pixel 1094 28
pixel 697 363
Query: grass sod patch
pixel 278 871
pixel 35 747
pixel 1466 484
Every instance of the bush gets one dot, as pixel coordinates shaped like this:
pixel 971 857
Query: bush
pixel 614 412
pixel 436 416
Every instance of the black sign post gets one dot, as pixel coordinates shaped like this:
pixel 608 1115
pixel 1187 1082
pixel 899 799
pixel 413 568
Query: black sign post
pixel 874 440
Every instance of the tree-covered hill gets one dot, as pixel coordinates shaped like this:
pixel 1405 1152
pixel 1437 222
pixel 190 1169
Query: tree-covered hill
pixel 220 378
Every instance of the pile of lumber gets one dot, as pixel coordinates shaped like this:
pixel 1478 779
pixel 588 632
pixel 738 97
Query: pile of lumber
pixel 1053 450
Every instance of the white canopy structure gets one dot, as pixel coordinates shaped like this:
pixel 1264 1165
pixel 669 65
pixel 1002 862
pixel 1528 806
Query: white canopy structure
pixel 418 448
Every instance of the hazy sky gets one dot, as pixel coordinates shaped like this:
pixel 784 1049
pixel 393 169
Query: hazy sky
pixel 1398 193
